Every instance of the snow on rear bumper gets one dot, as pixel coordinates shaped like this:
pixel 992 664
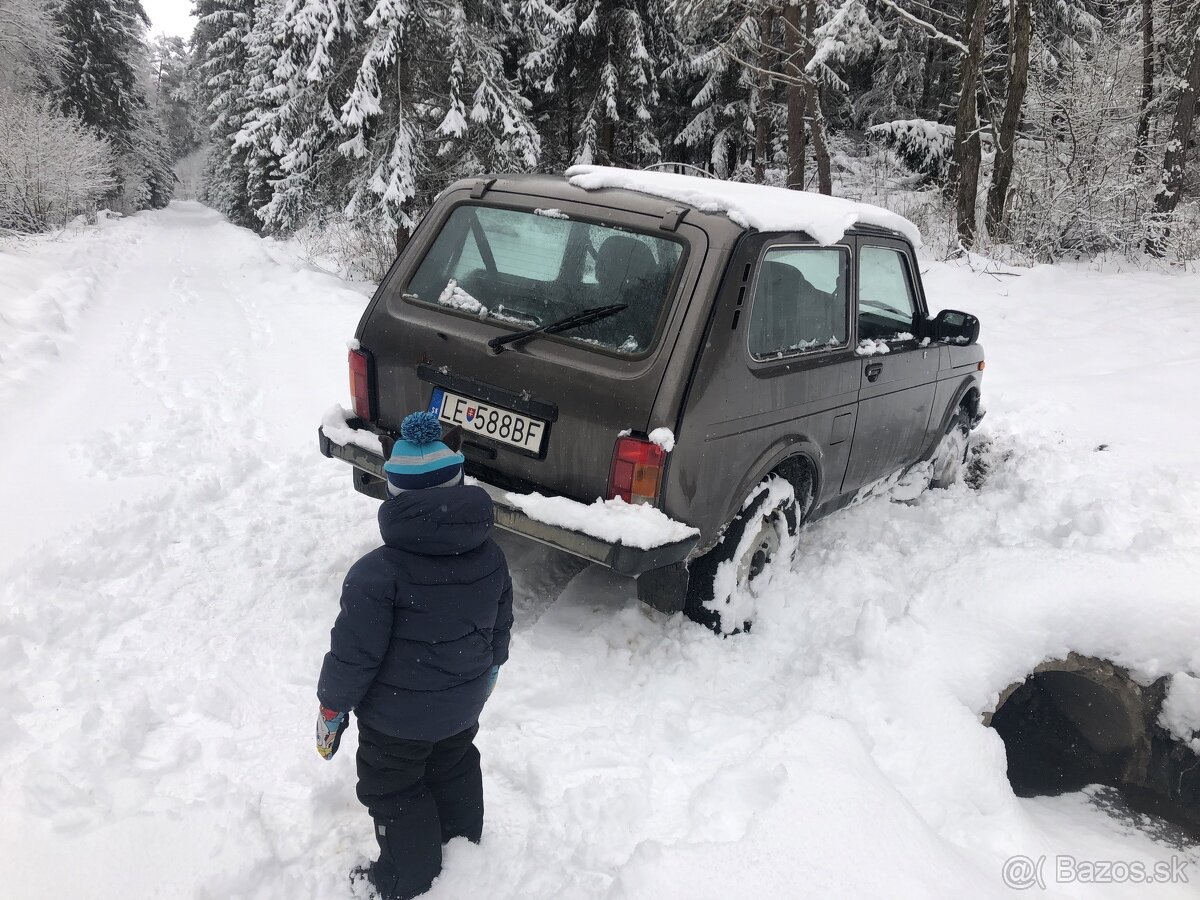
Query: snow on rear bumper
pixel 621 558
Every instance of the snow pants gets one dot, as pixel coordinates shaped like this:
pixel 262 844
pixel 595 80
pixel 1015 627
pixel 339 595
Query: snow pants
pixel 421 794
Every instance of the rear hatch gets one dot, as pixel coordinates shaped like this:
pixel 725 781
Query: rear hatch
pixel 541 413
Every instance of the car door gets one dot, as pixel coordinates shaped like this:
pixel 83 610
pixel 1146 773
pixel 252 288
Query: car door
pixel 899 371
pixel 777 376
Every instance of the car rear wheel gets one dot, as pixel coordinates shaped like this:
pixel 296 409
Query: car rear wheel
pixel 722 583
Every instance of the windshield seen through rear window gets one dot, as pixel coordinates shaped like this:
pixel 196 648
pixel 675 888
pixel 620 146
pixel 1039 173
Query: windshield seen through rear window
pixel 528 269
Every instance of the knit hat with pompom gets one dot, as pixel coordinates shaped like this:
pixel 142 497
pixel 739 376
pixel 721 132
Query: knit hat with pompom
pixel 420 459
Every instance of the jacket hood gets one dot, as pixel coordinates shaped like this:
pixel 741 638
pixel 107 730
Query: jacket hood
pixel 437 521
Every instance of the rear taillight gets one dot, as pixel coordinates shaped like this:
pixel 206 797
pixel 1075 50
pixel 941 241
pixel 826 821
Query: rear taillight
pixel 636 472
pixel 360 385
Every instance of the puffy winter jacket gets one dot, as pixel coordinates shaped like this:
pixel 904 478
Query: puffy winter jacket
pixel 423 618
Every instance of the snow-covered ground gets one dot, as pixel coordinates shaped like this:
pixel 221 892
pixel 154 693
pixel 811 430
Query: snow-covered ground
pixel 172 548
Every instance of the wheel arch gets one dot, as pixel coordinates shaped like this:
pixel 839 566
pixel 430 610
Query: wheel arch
pixel 792 457
pixel 966 394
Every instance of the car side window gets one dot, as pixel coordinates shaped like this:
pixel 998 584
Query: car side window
pixel 886 304
pixel 800 301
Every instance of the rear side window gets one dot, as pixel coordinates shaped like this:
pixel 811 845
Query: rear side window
pixel 531 269
pixel 800 302
pixel 886 304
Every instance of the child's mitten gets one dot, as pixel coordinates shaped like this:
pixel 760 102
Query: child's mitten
pixel 330 726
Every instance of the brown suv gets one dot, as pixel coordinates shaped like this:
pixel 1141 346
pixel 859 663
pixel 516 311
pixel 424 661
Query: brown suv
pixel 671 341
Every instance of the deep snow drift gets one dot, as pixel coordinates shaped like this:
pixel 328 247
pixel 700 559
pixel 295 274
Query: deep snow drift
pixel 173 546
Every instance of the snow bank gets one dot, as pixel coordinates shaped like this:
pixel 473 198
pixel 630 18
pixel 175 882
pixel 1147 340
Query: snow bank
pixel 759 206
pixel 47 282
pixel 615 521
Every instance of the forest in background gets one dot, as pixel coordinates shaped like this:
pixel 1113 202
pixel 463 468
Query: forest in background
pixel 1029 129
pixel 93 115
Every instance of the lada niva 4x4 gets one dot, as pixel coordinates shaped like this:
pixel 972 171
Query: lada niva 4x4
pixel 730 359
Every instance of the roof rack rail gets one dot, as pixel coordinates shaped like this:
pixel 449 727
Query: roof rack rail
pixel 676 166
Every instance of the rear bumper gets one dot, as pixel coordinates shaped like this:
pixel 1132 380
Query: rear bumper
pixel 622 559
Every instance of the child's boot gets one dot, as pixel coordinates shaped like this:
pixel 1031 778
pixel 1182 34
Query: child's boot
pixel 410 852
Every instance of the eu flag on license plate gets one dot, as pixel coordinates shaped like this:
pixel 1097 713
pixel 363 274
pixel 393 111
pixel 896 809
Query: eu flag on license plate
pixel 435 402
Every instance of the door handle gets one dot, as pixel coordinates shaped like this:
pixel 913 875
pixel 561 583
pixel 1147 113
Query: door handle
pixel 874 370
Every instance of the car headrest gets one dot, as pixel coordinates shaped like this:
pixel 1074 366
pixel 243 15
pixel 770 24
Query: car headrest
pixel 781 280
pixel 623 261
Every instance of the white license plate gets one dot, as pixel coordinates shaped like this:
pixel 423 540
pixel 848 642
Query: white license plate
pixel 495 422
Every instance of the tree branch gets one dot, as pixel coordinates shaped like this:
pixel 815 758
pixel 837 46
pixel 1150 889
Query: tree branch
pixel 926 26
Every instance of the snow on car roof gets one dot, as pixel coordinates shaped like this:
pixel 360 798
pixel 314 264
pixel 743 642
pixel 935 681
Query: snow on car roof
pixel 758 206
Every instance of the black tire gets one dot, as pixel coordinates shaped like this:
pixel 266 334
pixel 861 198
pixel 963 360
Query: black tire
pixel 763 513
pixel 950 455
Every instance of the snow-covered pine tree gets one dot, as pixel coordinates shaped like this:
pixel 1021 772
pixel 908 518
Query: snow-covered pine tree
pixel 728 100
pixel 99 74
pixel 739 55
pixel 144 167
pixel 371 107
pixel 171 94
pixel 100 85
pixel 1182 62
pixel 31 45
pixel 593 67
pixel 220 45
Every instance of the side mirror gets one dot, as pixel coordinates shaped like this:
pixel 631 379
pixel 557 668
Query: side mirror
pixel 954 326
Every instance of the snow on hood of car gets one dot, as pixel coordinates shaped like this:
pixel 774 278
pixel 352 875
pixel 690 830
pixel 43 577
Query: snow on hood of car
pixel 758 206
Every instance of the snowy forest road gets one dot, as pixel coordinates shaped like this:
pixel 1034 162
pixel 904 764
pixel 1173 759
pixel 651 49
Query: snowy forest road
pixel 173 546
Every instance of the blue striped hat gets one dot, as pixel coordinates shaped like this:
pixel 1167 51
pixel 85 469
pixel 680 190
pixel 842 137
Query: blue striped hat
pixel 420 459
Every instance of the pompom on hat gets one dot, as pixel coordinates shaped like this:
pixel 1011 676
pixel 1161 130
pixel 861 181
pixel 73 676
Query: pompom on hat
pixel 421 459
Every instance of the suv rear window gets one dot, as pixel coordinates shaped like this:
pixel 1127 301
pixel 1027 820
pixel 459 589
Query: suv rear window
pixel 531 269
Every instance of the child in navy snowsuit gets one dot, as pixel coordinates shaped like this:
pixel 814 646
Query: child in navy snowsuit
pixel 415 652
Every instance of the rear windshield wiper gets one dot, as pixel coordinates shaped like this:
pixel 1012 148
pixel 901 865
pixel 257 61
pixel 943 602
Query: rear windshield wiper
pixel 585 317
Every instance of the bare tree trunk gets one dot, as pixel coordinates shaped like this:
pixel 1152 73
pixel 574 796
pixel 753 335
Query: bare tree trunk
pixel 816 117
pixel 1169 188
pixel 1140 159
pixel 608 140
pixel 796 100
pixel 967 146
pixel 762 123
pixel 927 77
pixel 569 148
pixel 1006 140
pixel 816 121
